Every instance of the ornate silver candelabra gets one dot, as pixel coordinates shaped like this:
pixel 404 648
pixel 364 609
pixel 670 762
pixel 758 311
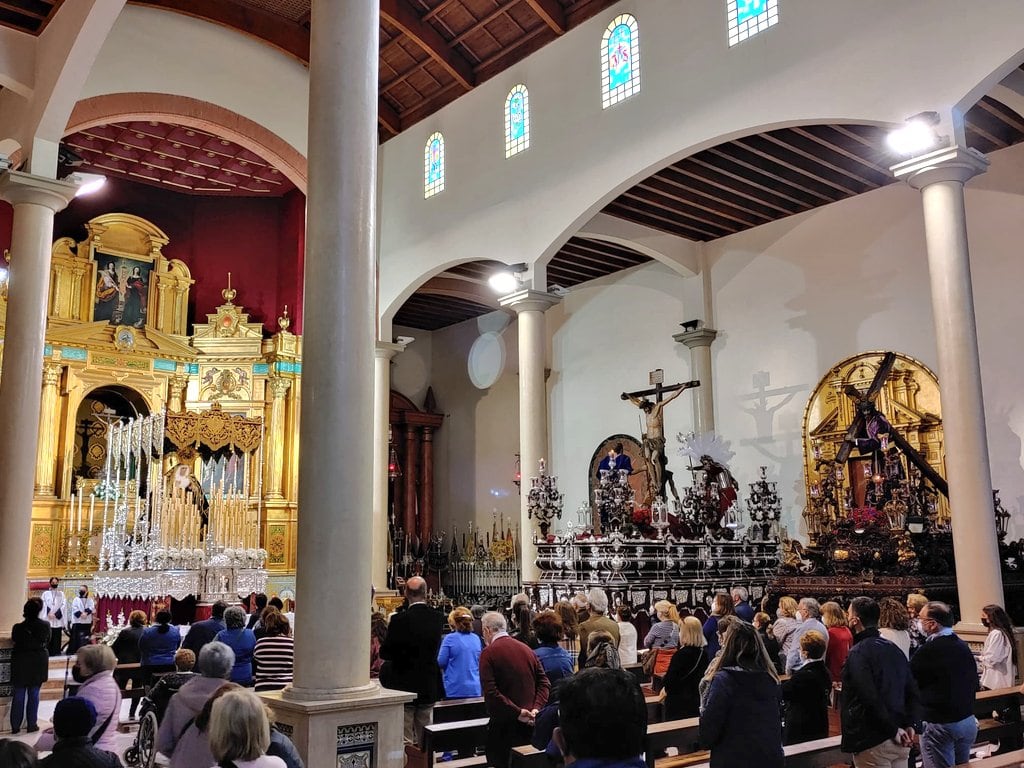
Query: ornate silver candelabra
pixel 765 506
pixel 614 498
pixel 544 501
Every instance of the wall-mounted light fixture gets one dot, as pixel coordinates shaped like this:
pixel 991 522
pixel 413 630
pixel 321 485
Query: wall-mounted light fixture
pixel 916 135
pixel 508 279
pixel 394 470
pixel 517 476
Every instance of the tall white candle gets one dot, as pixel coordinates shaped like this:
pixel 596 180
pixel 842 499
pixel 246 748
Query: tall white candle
pixel 92 510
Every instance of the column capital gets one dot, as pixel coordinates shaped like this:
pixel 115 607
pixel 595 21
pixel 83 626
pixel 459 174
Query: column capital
pixel 946 164
pixel 17 187
pixel 386 350
pixel 51 374
pixel 528 300
pixel 698 337
pixel 279 386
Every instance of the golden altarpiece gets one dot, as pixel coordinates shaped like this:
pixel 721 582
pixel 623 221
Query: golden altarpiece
pixel 117 346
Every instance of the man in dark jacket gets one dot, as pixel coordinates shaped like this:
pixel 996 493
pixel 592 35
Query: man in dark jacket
pixel 880 698
pixel 515 689
pixel 410 652
pixel 203 632
pixel 947 676
pixel 806 693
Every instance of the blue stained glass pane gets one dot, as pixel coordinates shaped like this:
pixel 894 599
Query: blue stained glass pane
pixel 620 57
pixel 517 117
pixel 434 174
pixel 748 9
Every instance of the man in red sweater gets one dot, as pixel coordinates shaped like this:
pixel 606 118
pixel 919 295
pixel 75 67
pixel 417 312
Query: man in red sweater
pixel 515 688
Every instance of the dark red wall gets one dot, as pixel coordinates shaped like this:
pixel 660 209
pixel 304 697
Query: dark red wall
pixel 259 240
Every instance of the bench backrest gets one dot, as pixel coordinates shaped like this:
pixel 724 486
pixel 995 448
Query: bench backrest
pixel 453 710
pixel 461 736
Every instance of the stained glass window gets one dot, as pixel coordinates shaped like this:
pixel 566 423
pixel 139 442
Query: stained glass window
pixel 620 60
pixel 748 17
pixel 433 165
pixel 517 121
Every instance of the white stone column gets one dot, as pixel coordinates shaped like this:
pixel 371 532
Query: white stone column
pixel 699 343
pixel 335 476
pixel 385 352
pixel 530 306
pixel 35 200
pixel 940 176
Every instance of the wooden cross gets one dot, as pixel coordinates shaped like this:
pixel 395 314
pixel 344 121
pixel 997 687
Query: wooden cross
pixel 865 406
pixel 659 388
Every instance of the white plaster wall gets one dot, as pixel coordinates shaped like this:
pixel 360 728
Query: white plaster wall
pixel 412 369
pixel 154 51
pixel 792 298
pixel 475 449
pixel 872 61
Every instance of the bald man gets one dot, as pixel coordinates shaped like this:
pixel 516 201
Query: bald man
pixel 410 654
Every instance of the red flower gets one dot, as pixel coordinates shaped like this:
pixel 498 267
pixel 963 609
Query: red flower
pixel 641 516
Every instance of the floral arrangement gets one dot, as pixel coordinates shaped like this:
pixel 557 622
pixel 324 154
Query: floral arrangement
pixel 864 517
pixel 113 630
pixel 642 517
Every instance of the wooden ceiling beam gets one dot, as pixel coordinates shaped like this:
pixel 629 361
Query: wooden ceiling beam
pixel 727 153
pixel 22 11
pixel 672 227
pixel 702 181
pixel 737 179
pixel 289 37
pixel 842 150
pixel 804 176
pixel 669 218
pixel 679 210
pixel 603 262
pixel 667 189
pixel 483 21
pixel 789 141
pixel 388 117
pixel 551 13
pixel 596 245
pixel 1010 118
pixel 402 15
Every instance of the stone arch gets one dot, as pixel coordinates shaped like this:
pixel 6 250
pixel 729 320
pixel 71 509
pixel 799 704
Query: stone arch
pixel 193 113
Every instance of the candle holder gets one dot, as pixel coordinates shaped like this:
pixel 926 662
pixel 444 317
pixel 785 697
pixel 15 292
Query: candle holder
pixel 544 501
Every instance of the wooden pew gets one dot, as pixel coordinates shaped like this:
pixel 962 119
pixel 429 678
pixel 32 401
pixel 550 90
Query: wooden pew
pixel 1000 700
pixel 464 736
pixel 1007 760
pixel 453 710
pixel 821 753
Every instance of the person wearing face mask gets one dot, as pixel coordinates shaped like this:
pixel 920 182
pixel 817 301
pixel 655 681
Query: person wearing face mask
pixel 998 660
pixel 83 610
pixel 880 700
pixel 94 665
pixel 946 673
pixel 809 615
pixel 55 608
pixel 915 602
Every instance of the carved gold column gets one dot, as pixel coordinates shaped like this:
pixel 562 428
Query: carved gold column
pixel 176 386
pixel 273 443
pixel 46 455
pixel 427 486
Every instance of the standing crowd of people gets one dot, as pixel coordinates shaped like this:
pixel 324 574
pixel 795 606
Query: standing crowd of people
pixel 757 679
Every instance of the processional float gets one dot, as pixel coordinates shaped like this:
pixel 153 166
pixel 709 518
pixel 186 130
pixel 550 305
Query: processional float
pixel 167 532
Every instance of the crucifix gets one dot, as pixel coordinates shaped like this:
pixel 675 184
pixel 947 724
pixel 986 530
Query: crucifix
pixel 654 433
pixel 869 423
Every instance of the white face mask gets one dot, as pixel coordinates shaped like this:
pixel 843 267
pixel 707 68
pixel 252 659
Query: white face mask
pixel 800 616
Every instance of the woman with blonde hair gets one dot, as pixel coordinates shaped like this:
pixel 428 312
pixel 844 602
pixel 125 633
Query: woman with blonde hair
pixel 840 639
pixel 459 656
pixel 688 665
pixel 894 624
pixel 239 731
pixel 786 624
pixel 740 722
pixel 665 632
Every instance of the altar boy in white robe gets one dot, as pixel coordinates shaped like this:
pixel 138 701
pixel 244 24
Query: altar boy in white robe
pixel 54 613
pixel 83 612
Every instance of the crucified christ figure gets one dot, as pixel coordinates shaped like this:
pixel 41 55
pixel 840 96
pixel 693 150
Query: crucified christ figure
pixel 654 435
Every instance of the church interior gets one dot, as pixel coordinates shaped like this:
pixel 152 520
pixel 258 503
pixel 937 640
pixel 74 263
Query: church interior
pixel 713 199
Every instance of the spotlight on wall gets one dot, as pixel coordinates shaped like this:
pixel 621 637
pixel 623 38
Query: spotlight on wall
pixel 87 182
pixel 916 135
pixel 508 279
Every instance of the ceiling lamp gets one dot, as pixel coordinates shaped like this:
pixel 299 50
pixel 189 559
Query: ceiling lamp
pixel 916 135
pixel 87 182
pixel 507 280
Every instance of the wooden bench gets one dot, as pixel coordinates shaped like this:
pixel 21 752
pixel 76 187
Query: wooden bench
pixel 684 735
pixel 463 736
pixel 1006 700
pixel 453 710
pixel 1006 760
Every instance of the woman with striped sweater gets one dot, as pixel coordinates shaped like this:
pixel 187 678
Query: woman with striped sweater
pixel 274 656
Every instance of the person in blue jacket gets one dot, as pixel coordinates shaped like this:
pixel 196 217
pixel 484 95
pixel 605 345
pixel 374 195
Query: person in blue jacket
pixel 459 656
pixel 157 646
pixel 557 661
pixel 242 641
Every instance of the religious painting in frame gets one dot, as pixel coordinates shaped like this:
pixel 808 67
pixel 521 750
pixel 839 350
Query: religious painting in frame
pixel 122 291
pixel 630 447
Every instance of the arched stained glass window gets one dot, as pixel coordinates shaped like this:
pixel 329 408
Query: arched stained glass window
pixel 748 17
pixel 517 121
pixel 620 60
pixel 433 165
